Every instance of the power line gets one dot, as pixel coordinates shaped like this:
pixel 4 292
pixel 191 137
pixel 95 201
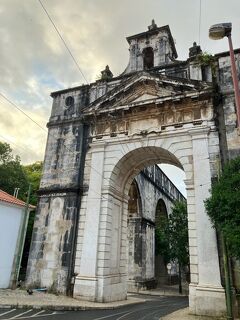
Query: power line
pixel 87 165
pixel 63 41
pixel 15 106
pixel 16 145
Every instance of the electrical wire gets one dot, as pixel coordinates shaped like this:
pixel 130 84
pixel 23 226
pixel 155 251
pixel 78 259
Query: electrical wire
pixel 63 41
pixel 86 165
pixel 50 134
pixel 19 109
pixel 16 145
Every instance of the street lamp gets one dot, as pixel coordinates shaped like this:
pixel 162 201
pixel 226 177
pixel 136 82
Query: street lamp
pixel 219 31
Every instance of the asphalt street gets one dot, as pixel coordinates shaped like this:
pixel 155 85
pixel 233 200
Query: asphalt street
pixel 152 309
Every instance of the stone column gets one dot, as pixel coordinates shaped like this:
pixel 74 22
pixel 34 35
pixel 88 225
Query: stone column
pixel 86 281
pixel 207 297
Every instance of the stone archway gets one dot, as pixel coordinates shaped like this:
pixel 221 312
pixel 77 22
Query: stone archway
pixel 102 274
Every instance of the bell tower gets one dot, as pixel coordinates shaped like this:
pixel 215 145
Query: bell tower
pixel 152 48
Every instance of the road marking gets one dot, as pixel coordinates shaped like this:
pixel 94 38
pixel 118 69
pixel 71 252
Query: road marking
pixel 36 314
pixel 46 314
pixel 123 316
pixel 3 314
pixel 20 314
pixel 111 315
pixel 124 313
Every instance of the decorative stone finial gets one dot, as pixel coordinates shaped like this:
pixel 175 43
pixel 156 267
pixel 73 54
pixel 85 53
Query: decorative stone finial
pixel 152 26
pixel 194 50
pixel 106 74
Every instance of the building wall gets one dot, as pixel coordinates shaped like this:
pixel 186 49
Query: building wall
pixel 227 108
pixel 11 219
pixel 52 250
pixel 152 185
pixel 131 117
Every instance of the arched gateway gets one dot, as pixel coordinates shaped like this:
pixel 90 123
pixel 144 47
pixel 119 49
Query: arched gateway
pixel 100 137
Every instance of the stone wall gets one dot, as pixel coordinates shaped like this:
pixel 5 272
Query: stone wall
pixel 153 185
pixel 229 132
pixel 52 253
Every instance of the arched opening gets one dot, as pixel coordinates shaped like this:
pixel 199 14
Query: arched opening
pixel 148 58
pixel 142 185
pixel 134 222
pixel 134 202
pixel 103 270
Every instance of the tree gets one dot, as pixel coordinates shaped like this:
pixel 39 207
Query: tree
pixel 172 237
pixel 162 247
pixel 223 206
pixel 178 237
pixel 33 173
pixel 12 174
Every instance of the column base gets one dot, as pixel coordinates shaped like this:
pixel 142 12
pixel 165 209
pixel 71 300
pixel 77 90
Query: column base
pixel 206 300
pixel 101 289
pixel 137 285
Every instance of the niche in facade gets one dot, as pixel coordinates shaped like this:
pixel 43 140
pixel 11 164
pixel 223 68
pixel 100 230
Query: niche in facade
pixel 148 58
pixel 134 206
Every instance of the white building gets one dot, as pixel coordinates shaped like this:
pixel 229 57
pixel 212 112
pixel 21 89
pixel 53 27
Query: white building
pixel 13 227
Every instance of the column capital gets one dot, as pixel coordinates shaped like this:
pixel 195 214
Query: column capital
pixel 97 146
pixel 199 133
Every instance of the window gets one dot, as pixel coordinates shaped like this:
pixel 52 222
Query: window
pixel 148 58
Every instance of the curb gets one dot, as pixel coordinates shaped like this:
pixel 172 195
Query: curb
pixel 67 307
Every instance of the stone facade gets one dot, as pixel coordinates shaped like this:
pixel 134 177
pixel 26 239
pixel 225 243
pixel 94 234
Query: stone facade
pixel 149 189
pixel 160 110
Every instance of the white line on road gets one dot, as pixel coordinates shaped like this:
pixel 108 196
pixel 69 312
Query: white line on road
pixel 3 314
pixel 124 313
pixel 137 311
pixel 111 315
pixel 20 314
pixel 36 314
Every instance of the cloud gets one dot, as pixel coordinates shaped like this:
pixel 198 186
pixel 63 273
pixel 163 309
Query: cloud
pixel 34 62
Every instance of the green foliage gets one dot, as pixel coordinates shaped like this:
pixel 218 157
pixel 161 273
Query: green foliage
pixel 162 240
pixel 223 206
pixel 172 235
pixel 33 173
pixel 178 233
pixel 12 174
pixel 5 153
pixel 206 59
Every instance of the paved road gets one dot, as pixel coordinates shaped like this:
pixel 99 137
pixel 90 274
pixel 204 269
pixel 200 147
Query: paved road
pixel 152 309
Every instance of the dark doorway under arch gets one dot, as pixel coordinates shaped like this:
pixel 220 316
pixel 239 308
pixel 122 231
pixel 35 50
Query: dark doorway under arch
pixel 161 219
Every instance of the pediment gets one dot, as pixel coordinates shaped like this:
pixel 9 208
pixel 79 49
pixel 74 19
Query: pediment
pixel 145 91
pixel 144 88
pixel 145 97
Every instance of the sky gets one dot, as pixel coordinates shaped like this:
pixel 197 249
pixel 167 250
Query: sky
pixel 34 62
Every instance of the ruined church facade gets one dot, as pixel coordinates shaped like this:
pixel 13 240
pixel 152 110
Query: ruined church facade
pixel 101 136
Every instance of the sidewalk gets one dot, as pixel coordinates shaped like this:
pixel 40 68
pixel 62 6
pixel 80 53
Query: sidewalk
pixel 184 315
pixel 165 291
pixel 38 300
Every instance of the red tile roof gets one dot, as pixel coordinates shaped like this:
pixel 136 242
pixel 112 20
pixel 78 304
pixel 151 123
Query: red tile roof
pixel 5 197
